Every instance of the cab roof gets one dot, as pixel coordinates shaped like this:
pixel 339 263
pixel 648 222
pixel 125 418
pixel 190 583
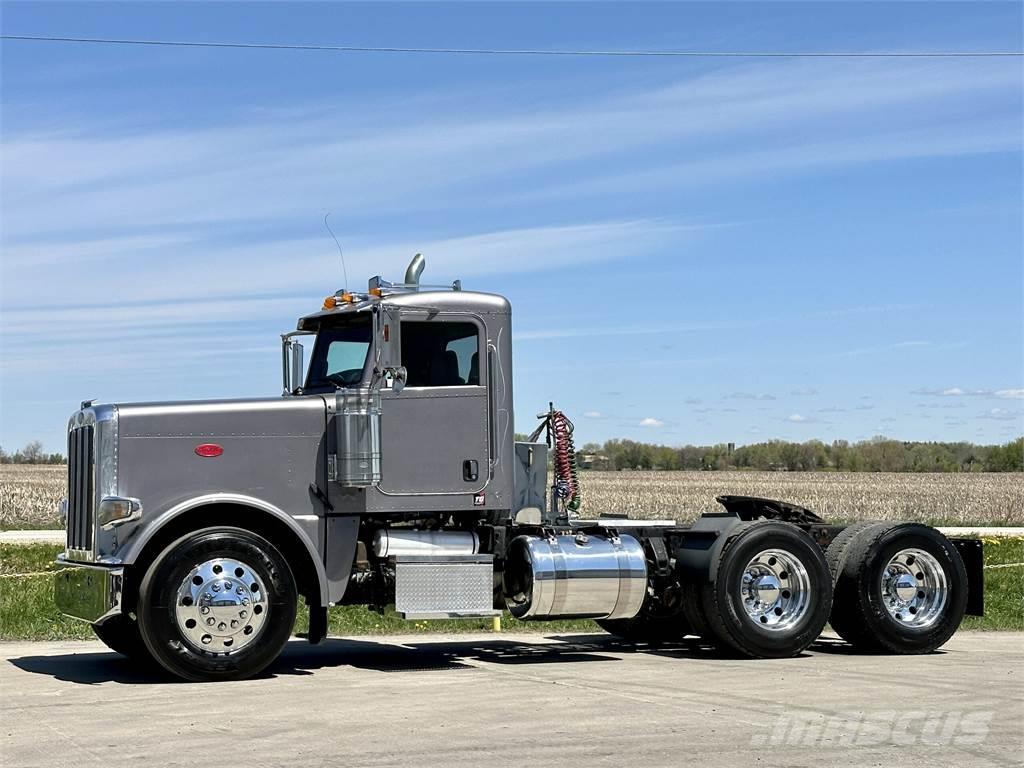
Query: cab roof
pixel 475 302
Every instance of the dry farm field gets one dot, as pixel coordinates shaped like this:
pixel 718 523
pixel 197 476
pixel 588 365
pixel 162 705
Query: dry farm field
pixel 947 499
pixel 29 494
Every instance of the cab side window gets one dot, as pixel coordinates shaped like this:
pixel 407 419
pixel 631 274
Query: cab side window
pixel 441 354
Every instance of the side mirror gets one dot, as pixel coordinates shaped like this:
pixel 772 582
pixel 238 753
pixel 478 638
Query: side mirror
pixel 292 366
pixel 387 327
pixel 399 376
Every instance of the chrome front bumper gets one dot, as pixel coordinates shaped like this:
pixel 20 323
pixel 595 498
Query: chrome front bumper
pixel 89 593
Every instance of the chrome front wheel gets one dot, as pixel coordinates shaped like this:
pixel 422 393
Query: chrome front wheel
pixel 218 604
pixel 221 606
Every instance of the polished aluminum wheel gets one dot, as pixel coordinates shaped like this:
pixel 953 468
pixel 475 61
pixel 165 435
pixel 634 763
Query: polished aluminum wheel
pixel 914 588
pixel 221 606
pixel 775 590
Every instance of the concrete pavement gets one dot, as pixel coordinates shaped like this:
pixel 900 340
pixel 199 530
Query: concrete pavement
pixel 571 701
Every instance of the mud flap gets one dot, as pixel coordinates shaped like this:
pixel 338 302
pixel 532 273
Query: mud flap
pixel 972 553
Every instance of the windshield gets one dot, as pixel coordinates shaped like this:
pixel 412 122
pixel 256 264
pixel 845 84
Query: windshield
pixel 339 354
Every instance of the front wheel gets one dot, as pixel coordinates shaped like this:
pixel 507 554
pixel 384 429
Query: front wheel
pixel 218 604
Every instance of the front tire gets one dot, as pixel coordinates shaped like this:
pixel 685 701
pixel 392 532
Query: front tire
pixel 217 604
pixel 772 592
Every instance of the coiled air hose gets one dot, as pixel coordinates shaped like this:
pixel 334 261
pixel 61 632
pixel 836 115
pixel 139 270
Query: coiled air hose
pixel 567 473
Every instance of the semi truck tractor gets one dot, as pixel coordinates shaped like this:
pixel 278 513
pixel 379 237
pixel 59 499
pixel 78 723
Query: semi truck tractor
pixel 388 474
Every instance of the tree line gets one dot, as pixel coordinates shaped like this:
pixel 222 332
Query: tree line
pixel 32 453
pixel 877 455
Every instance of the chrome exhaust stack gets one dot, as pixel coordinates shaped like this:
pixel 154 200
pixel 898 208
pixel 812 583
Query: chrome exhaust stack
pixel 414 270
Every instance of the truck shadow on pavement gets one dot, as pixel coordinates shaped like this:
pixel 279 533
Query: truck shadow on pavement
pixel 300 658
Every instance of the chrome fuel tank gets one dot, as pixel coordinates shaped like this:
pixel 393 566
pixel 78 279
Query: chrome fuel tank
pixel 575 576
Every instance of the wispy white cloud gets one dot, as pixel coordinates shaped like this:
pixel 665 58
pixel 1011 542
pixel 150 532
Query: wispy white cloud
pixel 184 269
pixel 593 415
pixel 1003 414
pixel 1002 394
pixel 749 396
pixel 1009 394
pixel 796 418
pixel 651 422
pixel 299 160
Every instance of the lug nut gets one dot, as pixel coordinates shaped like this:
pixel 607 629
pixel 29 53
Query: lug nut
pixel 215 587
pixel 204 610
pixel 210 621
pixel 234 623
pixel 243 614
pixel 222 626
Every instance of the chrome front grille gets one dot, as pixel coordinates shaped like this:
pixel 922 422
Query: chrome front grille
pixel 81 488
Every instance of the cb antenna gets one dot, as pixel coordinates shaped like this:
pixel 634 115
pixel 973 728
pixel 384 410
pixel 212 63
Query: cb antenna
pixel 344 272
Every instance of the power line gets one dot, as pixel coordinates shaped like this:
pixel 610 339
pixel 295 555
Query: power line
pixel 526 51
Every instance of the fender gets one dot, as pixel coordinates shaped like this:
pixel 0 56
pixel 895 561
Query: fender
pixel 700 550
pixel 136 545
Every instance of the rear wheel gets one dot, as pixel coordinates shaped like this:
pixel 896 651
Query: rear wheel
pixel 121 634
pixel 900 589
pixel 218 604
pixel 771 594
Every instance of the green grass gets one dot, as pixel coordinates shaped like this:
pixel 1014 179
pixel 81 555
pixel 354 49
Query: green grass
pixel 1004 587
pixel 27 611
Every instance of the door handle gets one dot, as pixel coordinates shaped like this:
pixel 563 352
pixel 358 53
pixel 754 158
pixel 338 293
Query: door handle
pixel 470 470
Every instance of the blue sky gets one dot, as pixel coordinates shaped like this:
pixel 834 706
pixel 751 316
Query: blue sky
pixel 697 250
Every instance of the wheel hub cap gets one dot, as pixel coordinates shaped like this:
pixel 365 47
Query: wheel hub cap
pixel 914 588
pixel 766 589
pixel 775 589
pixel 221 606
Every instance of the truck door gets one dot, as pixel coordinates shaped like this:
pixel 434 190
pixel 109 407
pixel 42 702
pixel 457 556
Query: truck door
pixel 434 433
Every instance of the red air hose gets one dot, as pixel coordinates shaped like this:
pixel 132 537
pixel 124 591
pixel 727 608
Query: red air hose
pixel 566 470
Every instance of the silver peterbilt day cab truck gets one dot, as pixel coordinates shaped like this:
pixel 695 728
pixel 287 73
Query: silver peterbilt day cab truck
pixel 388 474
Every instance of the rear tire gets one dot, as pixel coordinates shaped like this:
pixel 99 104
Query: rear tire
pixel 900 588
pixel 217 604
pixel 772 592
pixel 121 634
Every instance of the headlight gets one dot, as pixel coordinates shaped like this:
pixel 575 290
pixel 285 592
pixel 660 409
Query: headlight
pixel 115 510
pixel 106 450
